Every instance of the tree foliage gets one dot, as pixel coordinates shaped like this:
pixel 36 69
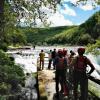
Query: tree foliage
pixel 94 48
pixel 37 10
pixel 92 25
pixel 12 11
pixel 85 39
pixel 32 10
pixel 10 74
pixel 86 33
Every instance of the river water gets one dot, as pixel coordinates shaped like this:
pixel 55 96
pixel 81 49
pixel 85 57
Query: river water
pixel 27 59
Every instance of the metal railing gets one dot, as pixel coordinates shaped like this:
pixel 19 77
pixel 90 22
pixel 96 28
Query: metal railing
pixel 94 80
pixel 97 81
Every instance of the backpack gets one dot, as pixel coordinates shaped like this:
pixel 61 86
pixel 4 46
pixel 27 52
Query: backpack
pixel 61 63
pixel 81 63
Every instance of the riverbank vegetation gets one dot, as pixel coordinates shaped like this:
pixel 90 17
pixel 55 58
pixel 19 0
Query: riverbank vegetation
pixel 11 75
pixel 11 33
pixel 94 48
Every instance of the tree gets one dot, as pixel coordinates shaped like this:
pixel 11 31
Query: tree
pixel 2 24
pixel 85 39
pixel 32 10
pixel 92 25
pixel 17 37
pixel 10 74
pixel 94 48
pixel 1 18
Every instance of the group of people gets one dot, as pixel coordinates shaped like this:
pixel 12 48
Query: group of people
pixel 51 55
pixel 77 64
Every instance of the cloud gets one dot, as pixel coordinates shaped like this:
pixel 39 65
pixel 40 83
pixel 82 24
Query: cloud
pixel 90 4
pixel 67 10
pixel 72 1
pixel 87 7
pixel 58 20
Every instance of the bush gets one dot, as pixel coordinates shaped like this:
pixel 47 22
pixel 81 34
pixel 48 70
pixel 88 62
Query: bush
pixel 85 39
pixel 4 88
pixel 94 48
pixel 9 72
pixel 3 46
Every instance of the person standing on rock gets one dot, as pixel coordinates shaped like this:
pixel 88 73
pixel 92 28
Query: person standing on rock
pixel 42 56
pixel 60 74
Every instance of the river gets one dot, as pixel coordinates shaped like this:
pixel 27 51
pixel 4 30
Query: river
pixel 27 59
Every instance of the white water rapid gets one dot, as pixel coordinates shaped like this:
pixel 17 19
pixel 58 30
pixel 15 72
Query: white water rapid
pixel 28 59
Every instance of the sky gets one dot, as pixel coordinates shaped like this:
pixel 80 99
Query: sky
pixel 68 15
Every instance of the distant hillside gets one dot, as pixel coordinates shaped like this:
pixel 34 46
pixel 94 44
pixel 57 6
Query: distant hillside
pixel 92 25
pixel 41 35
pixel 86 33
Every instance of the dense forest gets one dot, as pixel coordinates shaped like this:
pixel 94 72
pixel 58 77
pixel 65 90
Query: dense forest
pixel 88 32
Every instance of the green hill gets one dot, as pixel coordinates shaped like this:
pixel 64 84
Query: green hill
pixel 86 33
pixel 92 25
pixel 42 35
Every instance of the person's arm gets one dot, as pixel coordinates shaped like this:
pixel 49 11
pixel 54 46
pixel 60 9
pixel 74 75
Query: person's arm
pixel 91 65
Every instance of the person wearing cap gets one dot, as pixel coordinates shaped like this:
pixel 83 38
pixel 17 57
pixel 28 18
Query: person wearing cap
pixel 60 74
pixel 80 63
pixel 64 52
